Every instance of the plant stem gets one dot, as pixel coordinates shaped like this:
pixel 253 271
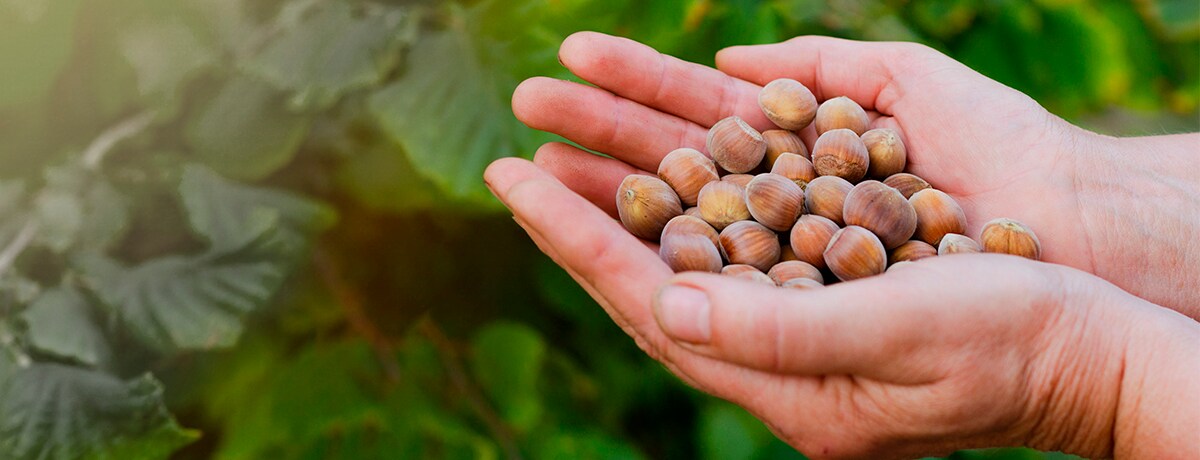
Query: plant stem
pixel 18 244
pixel 351 304
pixel 458 376
pixel 94 153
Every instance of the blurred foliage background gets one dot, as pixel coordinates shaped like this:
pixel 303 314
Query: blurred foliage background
pixel 257 229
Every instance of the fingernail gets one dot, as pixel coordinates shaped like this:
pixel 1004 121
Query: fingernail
pixel 683 314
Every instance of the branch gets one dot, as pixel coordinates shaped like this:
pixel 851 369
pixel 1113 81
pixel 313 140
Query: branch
pixel 18 244
pixel 475 398
pixel 94 153
pixel 352 305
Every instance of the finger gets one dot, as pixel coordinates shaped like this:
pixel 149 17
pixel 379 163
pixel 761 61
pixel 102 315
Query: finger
pixel 871 327
pixel 637 72
pixel 874 74
pixel 600 121
pixel 591 176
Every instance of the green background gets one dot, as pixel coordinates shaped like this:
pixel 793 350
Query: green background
pixel 257 229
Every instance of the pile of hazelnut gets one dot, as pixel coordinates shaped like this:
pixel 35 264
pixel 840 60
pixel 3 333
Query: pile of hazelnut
pixel 848 209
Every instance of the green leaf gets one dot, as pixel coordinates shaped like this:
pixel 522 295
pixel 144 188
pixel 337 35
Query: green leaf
pixel 1180 19
pixel 231 215
pixel 727 432
pixel 182 303
pixel 165 55
pixel 51 411
pixel 334 50
pixel 35 41
pixel 105 217
pixel 246 131
pixel 61 323
pixel 507 360
pixel 382 178
pixel 450 110
pixel 586 445
pixel 60 216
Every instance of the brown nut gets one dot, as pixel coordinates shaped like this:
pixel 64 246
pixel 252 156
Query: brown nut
pixel 735 146
pixel 882 210
pixel 784 271
pixel 645 205
pixel 690 252
pixel 687 171
pixel 750 243
pixel 801 283
pixel 954 243
pixel 722 203
pixel 747 272
pixel 886 151
pixel 810 236
pixel 740 179
pixel 690 225
pixel 1007 236
pixel 779 142
pixel 937 215
pixel 796 168
pixel 774 201
pixel 911 250
pixel 841 153
pixel 906 183
pixel 788 103
pixel 825 196
pixel 841 113
pixel 854 252
pixel 693 211
pixel 786 253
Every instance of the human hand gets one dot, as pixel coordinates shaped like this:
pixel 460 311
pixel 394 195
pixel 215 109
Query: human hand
pixel 954 352
pixel 992 148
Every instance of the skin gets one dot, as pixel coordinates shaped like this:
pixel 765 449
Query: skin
pixel 953 352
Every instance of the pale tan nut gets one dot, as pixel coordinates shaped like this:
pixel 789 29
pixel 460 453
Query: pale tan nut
pixel 906 183
pixel 840 152
pixel 690 252
pixel 788 103
pixel 855 252
pixel 774 201
pixel 796 168
pixel 736 146
pixel 809 237
pixel 741 180
pixel 779 142
pixel 937 215
pixel 910 251
pixel 722 203
pixel 747 272
pixel 841 113
pixel 882 210
pixel 802 283
pixel 886 151
pixel 953 243
pixel 687 171
pixel 1008 236
pixel 693 211
pixel 690 225
pixel 825 196
pixel 750 243
pixel 784 271
pixel 645 204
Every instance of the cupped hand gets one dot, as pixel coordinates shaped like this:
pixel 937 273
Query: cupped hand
pixel 954 352
pixel 995 150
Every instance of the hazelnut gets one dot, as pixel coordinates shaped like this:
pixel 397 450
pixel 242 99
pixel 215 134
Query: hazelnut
pixel 786 253
pixel 854 252
pixel 841 113
pixel 954 243
pixel 693 211
pixel 796 168
pixel 740 179
pixel 840 152
pixel 747 272
pixel 784 271
pixel 801 283
pixel 687 171
pixel 882 210
pixel 886 151
pixel 690 252
pixel 1007 236
pixel 780 142
pixel 736 146
pixel 750 243
pixel 937 215
pixel 906 183
pixel 810 236
pixel 690 225
pixel 774 201
pixel 898 265
pixel 911 250
pixel 722 203
pixel 788 103
pixel 825 196
pixel 645 204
